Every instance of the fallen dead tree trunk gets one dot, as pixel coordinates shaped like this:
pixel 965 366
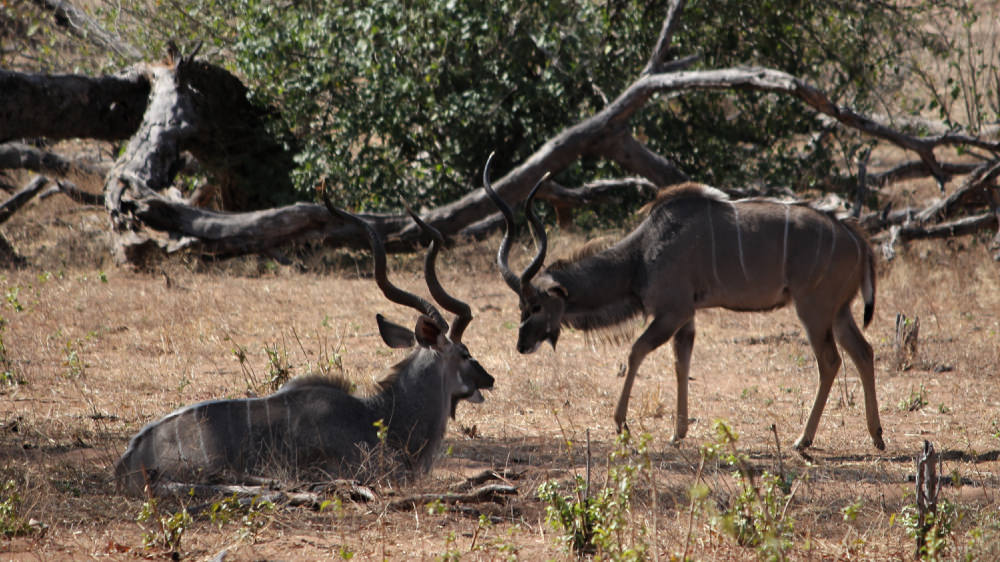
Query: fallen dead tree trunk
pixel 185 105
pixel 22 156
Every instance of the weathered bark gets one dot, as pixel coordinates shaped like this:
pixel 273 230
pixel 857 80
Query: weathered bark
pixel 69 106
pixel 189 108
pixel 928 485
pixel 19 155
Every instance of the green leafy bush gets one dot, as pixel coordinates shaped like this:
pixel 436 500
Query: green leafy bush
pixel 597 521
pixel 384 101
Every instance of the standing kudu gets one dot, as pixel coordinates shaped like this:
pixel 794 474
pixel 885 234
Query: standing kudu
pixel 697 249
pixel 313 427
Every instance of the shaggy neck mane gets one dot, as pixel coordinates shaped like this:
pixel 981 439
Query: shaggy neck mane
pixel 598 281
pixel 384 385
pixel 686 190
pixel 331 381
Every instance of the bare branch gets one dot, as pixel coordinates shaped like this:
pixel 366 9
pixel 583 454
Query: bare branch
pixel 69 189
pixel 83 26
pixel 19 155
pixel 957 227
pixel 661 51
pixel 487 493
pixel 555 193
pixel 629 153
pixel 22 197
pixel 974 187
pixel 916 169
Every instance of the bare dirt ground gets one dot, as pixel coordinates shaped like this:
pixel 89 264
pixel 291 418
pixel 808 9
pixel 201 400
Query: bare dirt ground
pixel 93 352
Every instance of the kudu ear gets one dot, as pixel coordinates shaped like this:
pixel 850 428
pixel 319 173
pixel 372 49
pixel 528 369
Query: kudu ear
pixel 558 291
pixel 394 335
pixel 552 287
pixel 428 332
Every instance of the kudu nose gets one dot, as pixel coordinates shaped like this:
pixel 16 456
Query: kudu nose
pixel 525 349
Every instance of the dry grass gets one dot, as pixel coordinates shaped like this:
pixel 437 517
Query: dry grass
pixel 97 352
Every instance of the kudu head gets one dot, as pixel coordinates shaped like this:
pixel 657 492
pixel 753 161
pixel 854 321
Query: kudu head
pixel 542 300
pixel 462 375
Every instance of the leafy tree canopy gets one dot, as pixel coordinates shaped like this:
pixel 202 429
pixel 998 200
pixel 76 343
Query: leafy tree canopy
pixel 387 101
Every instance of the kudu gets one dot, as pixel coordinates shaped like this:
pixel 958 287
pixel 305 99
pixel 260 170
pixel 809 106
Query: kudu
pixel 699 249
pixel 313 427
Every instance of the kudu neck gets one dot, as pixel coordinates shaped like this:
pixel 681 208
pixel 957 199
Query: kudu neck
pixel 599 288
pixel 414 406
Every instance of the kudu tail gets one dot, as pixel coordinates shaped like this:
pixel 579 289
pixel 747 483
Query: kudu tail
pixel 868 273
pixel 868 288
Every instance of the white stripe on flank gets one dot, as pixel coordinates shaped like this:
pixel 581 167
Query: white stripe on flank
pixel 784 246
pixel 739 241
pixel 267 411
pixel 857 247
pixel 711 237
pixel 288 414
pixel 819 250
pixel 177 441
pixel 201 442
pixel 833 246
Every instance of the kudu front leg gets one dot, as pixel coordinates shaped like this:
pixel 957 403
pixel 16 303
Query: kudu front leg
pixel 659 331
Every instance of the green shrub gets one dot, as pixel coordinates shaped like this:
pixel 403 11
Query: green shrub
pixel 597 522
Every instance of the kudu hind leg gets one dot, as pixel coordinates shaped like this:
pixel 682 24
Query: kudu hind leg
pixel 828 361
pixel 659 331
pixel 849 336
pixel 683 345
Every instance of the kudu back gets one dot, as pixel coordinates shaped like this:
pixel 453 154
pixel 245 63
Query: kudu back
pixel 698 249
pixel 314 427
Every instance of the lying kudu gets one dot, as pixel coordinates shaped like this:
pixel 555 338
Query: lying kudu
pixel 313 427
pixel 697 249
